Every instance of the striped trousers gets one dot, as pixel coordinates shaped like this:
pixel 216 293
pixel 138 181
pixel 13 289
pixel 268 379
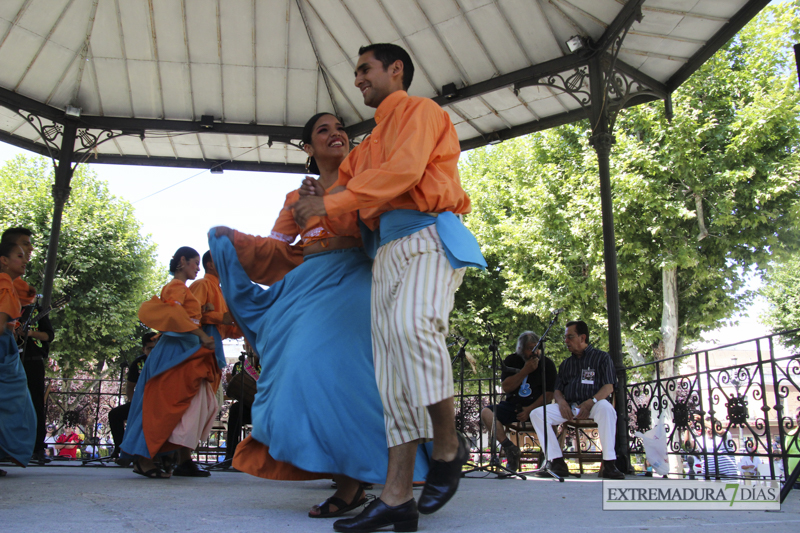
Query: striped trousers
pixel 413 289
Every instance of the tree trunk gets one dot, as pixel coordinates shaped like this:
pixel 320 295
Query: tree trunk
pixel 669 340
pixel 669 321
pixel 701 218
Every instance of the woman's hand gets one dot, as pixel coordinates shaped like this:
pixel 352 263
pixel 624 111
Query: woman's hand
pixel 223 231
pixel 311 187
pixel 205 339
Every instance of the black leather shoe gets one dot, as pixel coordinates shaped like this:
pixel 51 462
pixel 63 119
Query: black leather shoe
pixel 558 466
pixel 378 515
pixel 443 477
pixel 610 471
pixel 40 458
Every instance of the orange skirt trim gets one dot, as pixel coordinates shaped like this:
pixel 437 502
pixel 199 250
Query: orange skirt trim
pixel 253 458
pixel 168 395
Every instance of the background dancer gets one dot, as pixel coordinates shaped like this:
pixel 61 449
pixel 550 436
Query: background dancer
pixel 174 404
pixel 17 415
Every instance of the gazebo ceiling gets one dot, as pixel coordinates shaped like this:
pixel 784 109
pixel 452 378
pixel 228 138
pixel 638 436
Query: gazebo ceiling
pixel 152 72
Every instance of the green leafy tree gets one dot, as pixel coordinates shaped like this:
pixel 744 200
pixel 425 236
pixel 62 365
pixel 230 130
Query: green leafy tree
pixel 782 291
pixel 104 263
pixel 698 201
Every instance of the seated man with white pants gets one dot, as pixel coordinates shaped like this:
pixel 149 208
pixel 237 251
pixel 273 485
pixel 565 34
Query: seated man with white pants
pixel 585 382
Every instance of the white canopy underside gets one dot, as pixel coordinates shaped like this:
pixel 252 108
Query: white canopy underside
pixel 261 68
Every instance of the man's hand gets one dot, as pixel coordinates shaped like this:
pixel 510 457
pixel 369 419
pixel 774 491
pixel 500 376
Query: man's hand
pixel 585 409
pixel 207 308
pixel 311 187
pixel 530 365
pixel 524 415
pixel 227 318
pixel 223 231
pixel 307 207
pixel 563 408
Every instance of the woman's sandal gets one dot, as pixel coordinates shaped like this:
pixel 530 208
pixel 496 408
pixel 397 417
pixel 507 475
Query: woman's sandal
pixel 3 473
pixel 341 506
pixel 153 473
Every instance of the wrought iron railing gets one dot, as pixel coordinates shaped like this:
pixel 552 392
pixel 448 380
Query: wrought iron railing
pixel 722 405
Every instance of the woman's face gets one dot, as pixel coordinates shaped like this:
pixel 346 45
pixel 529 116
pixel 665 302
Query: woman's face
pixel 190 266
pixel 328 140
pixel 14 264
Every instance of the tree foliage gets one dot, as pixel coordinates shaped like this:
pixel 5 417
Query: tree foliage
pixel 782 291
pixel 712 193
pixel 104 263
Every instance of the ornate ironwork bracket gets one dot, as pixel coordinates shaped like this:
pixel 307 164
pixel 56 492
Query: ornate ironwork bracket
pixel 618 87
pixel 89 143
pixel 48 132
pixel 52 131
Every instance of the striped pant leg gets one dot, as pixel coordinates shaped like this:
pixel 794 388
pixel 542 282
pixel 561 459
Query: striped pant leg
pixel 413 292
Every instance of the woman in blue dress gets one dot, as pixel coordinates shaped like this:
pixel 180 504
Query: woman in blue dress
pixel 317 413
pixel 17 415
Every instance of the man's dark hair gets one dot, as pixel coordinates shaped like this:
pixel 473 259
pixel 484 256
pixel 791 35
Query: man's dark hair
pixel 206 259
pixel 148 337
pixel 387 54
pixel 580 328
pixel 12 234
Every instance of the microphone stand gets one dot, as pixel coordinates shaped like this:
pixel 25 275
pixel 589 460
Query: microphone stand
pixel 545 467
pixel 494 465
pixel 103 460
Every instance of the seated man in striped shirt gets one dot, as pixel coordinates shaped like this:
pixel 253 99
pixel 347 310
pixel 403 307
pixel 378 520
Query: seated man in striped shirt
pixel 585 383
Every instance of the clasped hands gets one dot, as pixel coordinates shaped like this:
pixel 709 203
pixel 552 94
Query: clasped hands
pixel 584 409
pixel 310 203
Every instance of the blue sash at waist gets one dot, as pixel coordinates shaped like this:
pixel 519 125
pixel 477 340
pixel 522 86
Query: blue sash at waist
pixel 459 243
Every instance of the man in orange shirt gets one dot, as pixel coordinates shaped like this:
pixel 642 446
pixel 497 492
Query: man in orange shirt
pixel 403 181
pixel 209 294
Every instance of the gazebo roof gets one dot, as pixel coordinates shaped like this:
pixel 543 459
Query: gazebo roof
pixel 153 73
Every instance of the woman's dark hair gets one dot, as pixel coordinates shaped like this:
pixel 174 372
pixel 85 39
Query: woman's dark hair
pixel 184 251
pixel 6 248
pixel 308 130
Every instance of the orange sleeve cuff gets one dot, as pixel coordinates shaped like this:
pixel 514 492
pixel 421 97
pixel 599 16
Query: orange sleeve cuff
pixel 265 260
pixel 161 316
pixel 340 203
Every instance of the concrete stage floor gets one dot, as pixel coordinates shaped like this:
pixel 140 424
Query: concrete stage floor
pixel 112 499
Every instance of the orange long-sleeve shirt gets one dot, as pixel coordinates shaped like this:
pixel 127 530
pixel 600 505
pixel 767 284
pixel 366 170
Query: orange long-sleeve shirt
pixel 207 290
pixel 410 161
pixel 267 260
pixel 175 310
pixel 26 293
pixel 9 301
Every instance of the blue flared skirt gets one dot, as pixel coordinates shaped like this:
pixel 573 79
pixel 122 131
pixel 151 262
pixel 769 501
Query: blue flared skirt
pixel 171 350
pixel 17 415
pixel 317 405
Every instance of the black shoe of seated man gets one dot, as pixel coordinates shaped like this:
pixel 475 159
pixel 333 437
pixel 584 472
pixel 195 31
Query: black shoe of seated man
pixel 558 466
pixel 39 458
pixel 377 515
pixel 610 471
pixel 513 455
pixel 443 477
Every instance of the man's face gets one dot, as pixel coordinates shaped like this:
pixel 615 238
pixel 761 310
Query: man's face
pixel 375 82
pixel 24 242
pixel 148 347
pixel 575 343
pixel 527 350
